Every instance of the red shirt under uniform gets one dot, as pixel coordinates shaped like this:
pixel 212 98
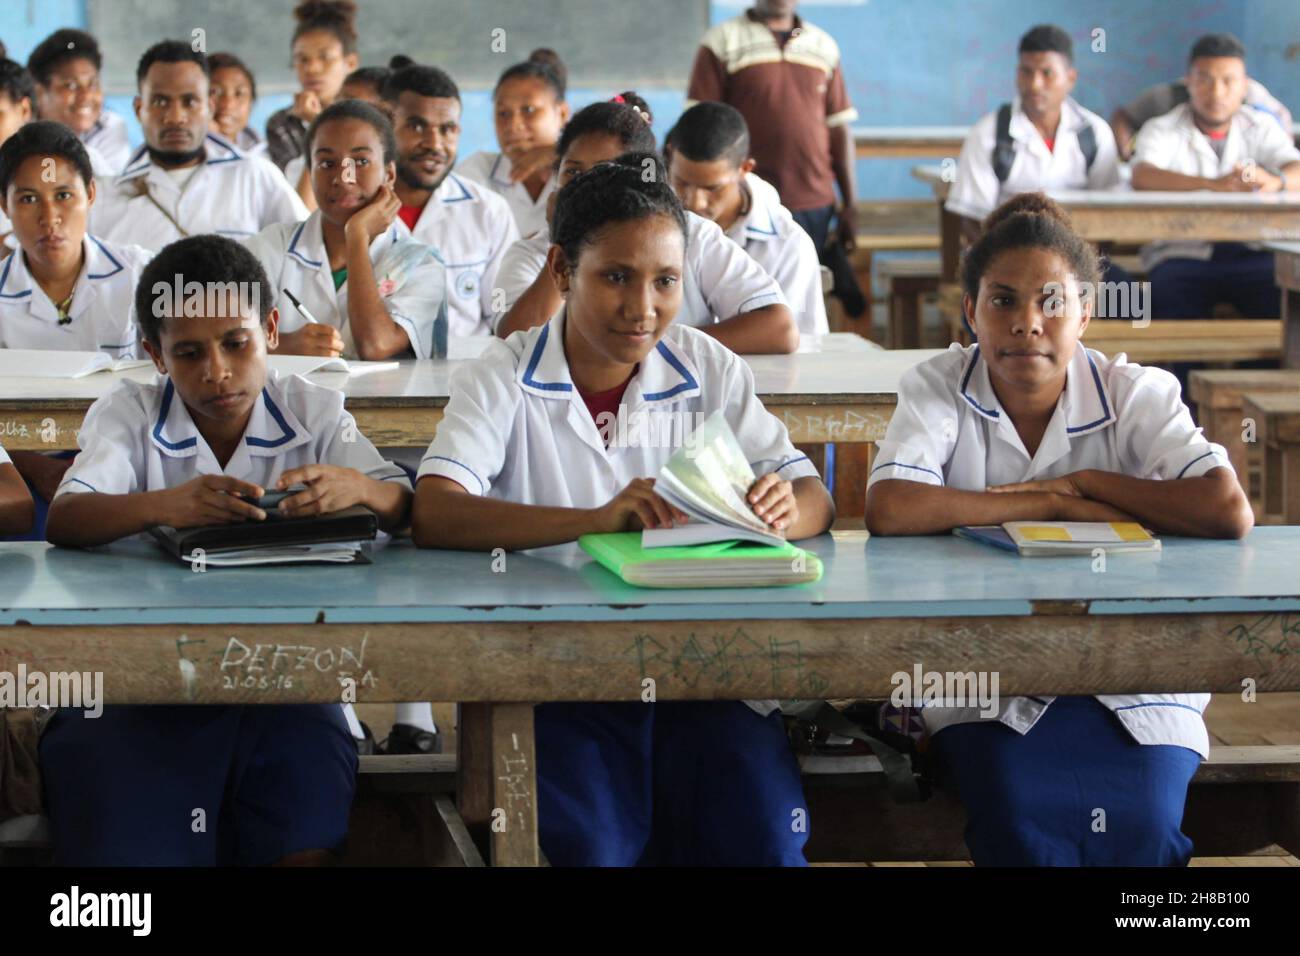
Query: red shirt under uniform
pixel 410 215
pixel 607 401
pixel 790 94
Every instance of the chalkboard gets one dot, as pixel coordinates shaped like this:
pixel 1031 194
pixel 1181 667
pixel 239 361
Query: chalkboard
pixel 605 43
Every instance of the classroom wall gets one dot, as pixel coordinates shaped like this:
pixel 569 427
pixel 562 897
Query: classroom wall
pixel 895 61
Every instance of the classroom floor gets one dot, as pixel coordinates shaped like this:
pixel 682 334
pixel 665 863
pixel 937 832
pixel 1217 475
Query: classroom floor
pixel 1270 719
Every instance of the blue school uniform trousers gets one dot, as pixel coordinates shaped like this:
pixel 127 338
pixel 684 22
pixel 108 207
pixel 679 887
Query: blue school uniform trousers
pixel 1234 274
pixel 1075 790
pixel 681 783
pixel 197 785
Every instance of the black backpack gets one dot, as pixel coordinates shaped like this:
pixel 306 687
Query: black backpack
pixel 1004 151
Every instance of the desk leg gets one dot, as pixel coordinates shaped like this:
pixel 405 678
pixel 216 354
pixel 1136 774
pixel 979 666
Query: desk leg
pixel 949 243
pixel 1290 328
pixel 496 780
pixel 1290 482
pixel 514 779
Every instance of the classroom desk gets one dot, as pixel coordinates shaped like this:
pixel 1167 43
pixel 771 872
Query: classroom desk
pixel 842 388
pixel 1131 216
pixel 901 142
pixel 434 625
pixel 1287 276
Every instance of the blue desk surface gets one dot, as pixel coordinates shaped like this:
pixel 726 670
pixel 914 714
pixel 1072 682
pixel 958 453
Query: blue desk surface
pixel 133 583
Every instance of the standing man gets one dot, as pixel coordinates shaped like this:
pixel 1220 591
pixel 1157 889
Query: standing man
pixel 783 75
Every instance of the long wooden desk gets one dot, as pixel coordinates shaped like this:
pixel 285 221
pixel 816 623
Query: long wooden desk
pixel 433 625
pixel 1135 216
pixel 840 389
pixel 901 142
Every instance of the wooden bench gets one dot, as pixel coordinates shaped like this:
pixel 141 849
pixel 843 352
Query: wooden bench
pixel 1275 454
pixel 1243 800
pixel 908 280
pixel 1218 397
pixel 1161 342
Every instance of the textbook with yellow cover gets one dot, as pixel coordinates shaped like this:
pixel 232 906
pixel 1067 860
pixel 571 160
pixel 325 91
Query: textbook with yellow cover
pixel 1040 538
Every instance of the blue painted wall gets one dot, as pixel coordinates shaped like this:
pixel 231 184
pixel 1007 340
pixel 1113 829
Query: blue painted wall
pixel 921 62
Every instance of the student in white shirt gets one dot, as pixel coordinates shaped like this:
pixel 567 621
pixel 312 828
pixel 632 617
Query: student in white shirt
pixel 371 290
pixel 1028 424
pixel 710 169
pixel 192 448
pixel 725 293
pixel 469 225
pixel 519 463
pixel 65 66
pixel 16 507
pixel 62 288
pixel 1213 142
pixel 1042 140
pixel 187 180
pixel 530 111
pixel 234 91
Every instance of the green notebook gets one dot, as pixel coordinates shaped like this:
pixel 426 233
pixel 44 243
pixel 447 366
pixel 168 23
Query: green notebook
pixel 720 564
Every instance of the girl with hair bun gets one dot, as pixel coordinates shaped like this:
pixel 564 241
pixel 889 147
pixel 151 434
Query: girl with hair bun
pixel 324 52
pixel 529 111
pixel 1028 424
pixel 526 457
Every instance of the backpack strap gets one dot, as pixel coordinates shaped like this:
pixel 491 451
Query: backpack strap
pixel 1088 145
pixel 1004 150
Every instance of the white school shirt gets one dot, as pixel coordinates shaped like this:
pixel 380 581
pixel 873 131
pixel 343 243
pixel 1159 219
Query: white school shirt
pixel 493 171
pixel 294 257
pixel 516 428
pixel 102 313
pixel 1113 415
pixel 252 143
pixel 110 139
pixel 140 437
pixel 771 237
pixel 719 280
pixel 1172 142
pixel 230 193
pixel 976 191
pixel 471 227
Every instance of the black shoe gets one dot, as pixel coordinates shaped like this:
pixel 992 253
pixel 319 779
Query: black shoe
pixel 408 739
pixel 366 746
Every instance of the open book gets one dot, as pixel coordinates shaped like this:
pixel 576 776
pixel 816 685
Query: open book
pixel 725 544
pixel 708 478
pixel 306 364
pixel 1042 538
pixel 55 363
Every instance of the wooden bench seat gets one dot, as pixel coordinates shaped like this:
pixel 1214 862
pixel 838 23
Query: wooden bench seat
pixel 908 280
pixel 1243 800
pixel 1218 393
pixel 1163 342
pixel 1275 454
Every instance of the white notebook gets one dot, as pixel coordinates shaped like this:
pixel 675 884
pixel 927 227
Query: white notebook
pixel 54 363
pixel 306 364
